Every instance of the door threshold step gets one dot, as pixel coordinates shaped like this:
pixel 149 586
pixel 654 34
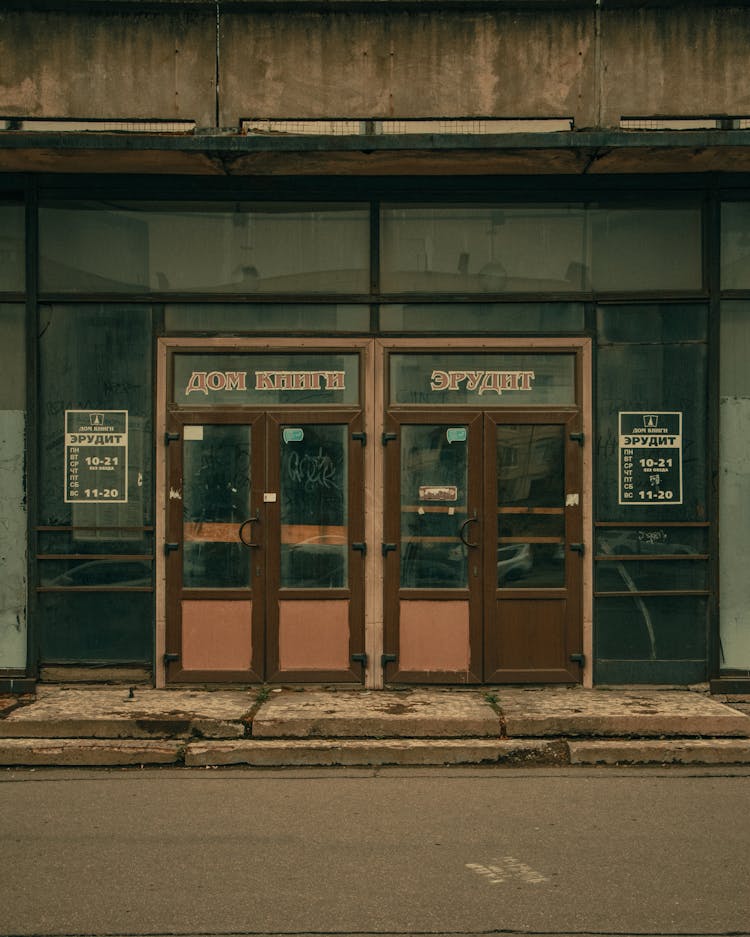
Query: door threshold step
pixel 83 753
pixel 372 753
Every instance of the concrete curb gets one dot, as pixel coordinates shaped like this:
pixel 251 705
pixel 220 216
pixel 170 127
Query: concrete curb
pixel 663 751
pixel 114 728
pixel 281 753
pixel 88 752
pixel 372 753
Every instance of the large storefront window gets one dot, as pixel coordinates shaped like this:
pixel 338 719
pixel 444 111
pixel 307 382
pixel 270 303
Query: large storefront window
pixel 272 319
pixel 12 254
pixel 735 246
pixel 210 248
pixel 12 487
pixel 651 553
pixel 511 318
pixel 478 301
pixel 540 249
pixel 96 520
pixel 734 484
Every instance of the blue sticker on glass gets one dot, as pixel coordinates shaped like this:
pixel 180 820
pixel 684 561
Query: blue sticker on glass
pixel 293 434
pixel 456 434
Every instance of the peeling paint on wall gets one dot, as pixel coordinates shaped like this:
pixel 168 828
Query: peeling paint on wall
pixel 12 541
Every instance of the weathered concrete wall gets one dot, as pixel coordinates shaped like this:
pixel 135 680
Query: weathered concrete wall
pixel 675 62
pixel 592 64
pixel 108 65
pixel 437 64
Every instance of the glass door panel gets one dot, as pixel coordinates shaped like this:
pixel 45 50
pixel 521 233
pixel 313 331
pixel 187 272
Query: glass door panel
pixel 530 471
pixel 533 563
pixel 434 519
pixel 217 516
pixel 314 507
pixel 433 547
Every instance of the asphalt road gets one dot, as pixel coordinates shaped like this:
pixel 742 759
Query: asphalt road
pixel 338 852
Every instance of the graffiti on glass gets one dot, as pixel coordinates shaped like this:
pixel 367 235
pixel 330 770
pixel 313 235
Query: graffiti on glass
pixel 312 470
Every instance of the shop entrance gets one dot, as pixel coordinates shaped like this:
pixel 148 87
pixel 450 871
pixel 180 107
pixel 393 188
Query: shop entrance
pixel 484 568
pixel 483 577
pixel 367 511
pixel 264 555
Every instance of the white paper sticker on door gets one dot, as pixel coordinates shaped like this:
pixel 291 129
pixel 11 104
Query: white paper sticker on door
pixel 438 493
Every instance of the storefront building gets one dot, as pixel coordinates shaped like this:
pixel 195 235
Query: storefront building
pixel 454 401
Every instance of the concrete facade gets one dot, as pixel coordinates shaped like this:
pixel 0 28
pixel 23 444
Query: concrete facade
pixel 143 65
pixel 215 63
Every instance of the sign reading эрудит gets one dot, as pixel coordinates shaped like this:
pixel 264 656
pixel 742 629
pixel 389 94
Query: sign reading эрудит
pixel 96 456
pixel 650 463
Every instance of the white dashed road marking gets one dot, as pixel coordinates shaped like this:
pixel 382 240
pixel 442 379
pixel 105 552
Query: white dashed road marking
pixel 508 867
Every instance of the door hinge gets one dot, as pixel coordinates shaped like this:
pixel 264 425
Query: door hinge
pixel 386 548
pixel 577 437
pixel 170 437
pixel 170 548
pixel 360 659
pixel 361 547
pixel 387 437
pixel 579 659
pixel 576 548
pixel 362 437
pixel 170 658
pixel 386 659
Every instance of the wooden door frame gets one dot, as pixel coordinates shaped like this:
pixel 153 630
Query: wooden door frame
pixel 365 347
pixel 218 416
pixel 569 419
pixel 374 403
pixel 394 592
pixel 352 419
pixel 583 349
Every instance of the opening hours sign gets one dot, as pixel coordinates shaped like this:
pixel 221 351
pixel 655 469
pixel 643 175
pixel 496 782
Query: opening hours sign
pixel 650 457
pixel 96 456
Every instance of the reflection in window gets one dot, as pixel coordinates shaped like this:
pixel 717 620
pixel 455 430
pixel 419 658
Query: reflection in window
pixel 735 246
pixel 530 462
pixel 216 500
pixel 314 507
pixel 639 249
pixel 483 249
pixel 540 249
pixel 100 357
pixel 239 248
pixel 433 507
pixel 263 317
pixel 12 254
pixel 482 317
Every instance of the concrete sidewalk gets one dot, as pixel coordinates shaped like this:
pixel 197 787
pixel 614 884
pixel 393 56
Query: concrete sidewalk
pixel 74 725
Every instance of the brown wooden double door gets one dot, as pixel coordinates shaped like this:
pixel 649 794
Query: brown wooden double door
pixel 264 552
pixel 483 552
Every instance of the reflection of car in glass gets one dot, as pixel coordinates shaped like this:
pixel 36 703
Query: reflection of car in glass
pixel 648 543
pixel 311 564
pixel 514 561
pixel 121 573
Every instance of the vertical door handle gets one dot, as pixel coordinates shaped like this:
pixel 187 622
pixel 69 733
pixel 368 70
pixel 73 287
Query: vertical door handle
pixel 243 525
pixel 462 530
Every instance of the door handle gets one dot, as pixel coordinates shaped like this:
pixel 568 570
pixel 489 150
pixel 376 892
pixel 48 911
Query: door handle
pixel 462 528
pixel 243 525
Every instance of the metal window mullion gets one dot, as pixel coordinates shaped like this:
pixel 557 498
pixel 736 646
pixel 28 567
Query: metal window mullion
pixel 32 423
pixel 712 243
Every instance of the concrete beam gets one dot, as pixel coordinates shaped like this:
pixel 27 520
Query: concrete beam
pixel 573 153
